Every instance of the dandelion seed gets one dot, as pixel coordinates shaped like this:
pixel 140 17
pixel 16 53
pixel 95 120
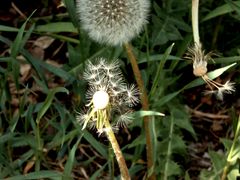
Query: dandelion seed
pixel 221 89
pixel 124 120
pixel 113 22
pixel 132 95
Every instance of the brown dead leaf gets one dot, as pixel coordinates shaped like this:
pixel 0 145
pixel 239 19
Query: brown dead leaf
pixel 216 126
pixel 29 165
pixel 54 63
pixel 37 52
pixel 24 71
pixel 43 42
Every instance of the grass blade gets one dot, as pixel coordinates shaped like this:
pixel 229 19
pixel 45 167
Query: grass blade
pixel 224 9
pixel 57 27
pixel 69 165
pixel 38 175
pixel 47 103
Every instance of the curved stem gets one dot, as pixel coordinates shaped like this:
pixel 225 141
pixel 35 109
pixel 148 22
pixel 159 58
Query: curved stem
pixel 117 151
pixel 230 155
pixel 195 4
pixel 145 106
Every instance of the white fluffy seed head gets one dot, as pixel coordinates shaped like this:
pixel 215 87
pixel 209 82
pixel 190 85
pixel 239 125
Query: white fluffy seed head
pixel 113 22
pixel 100 100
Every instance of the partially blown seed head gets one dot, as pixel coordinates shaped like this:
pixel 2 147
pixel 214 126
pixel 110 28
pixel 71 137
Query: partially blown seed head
pixel 108 95
pixel 113 22
pixel 199 59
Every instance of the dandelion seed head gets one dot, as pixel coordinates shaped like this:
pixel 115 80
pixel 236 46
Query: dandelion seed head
pixel 199 59
pixel 108 95
pixel 113 21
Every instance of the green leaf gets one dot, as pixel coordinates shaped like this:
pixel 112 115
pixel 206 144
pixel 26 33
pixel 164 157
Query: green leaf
pixel 38 175
pixel 140 140
pixel 18 43
pixel 59 138
pixel 55 70
pixel 234 173
pixel 174 169
pixel 98 172
pixel 70 5
pixel 187 176
pixel 216 73
pixel 228 60
pixel 6 137
pixel 139 114
pixel 70 162
pixel 96 144
pixel 234 5
pixel 15 66
pixel 167 98
pixel 182 120
pixel 57 27
pixel 27 35
pixel 218 161
pixel 8 28
pixel 178 145
pixel 227 143
pixel 25 140
pixel 74 56
pixel 159 70
pixel 35 63
pixel 48 101
pixel 167 165
pixel 224 9
pixel 157 57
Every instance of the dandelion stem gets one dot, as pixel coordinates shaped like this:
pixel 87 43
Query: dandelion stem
pixel 195 4
pixel 117 151
pixel 145 106
pixel 231 152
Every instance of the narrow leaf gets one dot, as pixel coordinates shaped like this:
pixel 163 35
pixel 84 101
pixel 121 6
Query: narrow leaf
pixel 38 175
pixel 96 144
pixel 224 9
pixel 48 101
pixel 69 165
pixel 57 27
pixel 139 114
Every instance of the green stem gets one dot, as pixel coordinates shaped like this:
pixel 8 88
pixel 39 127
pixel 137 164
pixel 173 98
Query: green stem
pixel 39 148
pixel 230 155
pixel 117 151
pixel 195 4
pixel 145 107
pixel 169 149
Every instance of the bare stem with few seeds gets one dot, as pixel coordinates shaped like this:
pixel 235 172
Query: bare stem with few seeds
pixel 145 106
pixel 117 151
